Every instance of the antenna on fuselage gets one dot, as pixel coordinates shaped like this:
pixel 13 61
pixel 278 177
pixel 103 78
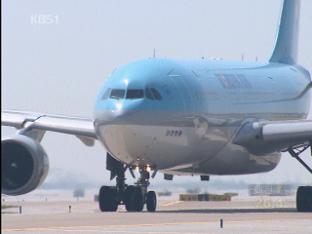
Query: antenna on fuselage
pixel 243 57
pixel 154 53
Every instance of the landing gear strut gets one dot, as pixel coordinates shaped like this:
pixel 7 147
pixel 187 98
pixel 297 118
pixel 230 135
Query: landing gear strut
pixel 304 193
pixel 132 196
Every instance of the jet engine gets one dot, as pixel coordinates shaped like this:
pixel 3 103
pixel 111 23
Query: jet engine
pixel 24 165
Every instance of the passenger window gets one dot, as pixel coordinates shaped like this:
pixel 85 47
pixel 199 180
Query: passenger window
pixel 156 94
pixel 117 94
pixel 135 93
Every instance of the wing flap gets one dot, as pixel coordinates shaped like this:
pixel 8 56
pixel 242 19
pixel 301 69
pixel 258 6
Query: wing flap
pixel 80 127
pixel 17 119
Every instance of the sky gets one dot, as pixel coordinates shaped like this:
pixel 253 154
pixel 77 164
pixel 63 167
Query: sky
pixel 56 54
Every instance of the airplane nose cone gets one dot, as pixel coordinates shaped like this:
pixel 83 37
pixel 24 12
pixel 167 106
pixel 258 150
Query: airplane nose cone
pixel 121 130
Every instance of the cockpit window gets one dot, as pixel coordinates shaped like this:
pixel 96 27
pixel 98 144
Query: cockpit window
pixel 156 94
pixel 117 94
pixel 135 93
pixel 152 93
pixel 148 94
pixel 106 94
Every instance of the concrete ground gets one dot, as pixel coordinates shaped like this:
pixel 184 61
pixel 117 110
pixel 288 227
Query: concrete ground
pixel 242 215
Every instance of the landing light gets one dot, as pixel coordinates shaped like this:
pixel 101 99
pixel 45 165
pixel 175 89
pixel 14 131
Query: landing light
pixel 126 82
pixel 119 106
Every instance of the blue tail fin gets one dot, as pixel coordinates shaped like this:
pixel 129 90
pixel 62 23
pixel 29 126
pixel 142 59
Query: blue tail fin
pixel 286 47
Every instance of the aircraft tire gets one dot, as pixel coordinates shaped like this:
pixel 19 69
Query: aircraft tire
pixel 107 199
pixel 134 199
pixel 304 199
pixel 151 201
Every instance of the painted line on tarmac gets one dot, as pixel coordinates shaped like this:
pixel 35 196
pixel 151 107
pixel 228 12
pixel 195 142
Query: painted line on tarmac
pixel 127 231
pixel 171 203
pixel 98 228
pixel 116 231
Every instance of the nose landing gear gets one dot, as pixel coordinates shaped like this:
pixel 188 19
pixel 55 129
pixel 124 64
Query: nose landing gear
pixel 134 197
pixel 137 196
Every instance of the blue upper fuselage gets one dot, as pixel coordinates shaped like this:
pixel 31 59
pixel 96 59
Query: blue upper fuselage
pixel 176 80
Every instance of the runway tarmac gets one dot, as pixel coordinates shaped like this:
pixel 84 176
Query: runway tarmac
pixel 242 215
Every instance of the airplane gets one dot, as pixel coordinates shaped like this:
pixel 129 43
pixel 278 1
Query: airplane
pixel 191 117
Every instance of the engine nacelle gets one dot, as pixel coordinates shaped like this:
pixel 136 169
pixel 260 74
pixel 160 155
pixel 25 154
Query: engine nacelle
pixel 24 165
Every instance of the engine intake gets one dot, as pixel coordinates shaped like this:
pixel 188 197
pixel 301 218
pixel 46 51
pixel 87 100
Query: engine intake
pixel 24 165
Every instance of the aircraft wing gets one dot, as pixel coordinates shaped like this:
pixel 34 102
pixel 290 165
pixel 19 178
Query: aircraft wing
pixel 81 127
pixel 274 135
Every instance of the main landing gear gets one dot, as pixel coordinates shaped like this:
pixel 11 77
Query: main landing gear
pixel 304 193
pixel 134 197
